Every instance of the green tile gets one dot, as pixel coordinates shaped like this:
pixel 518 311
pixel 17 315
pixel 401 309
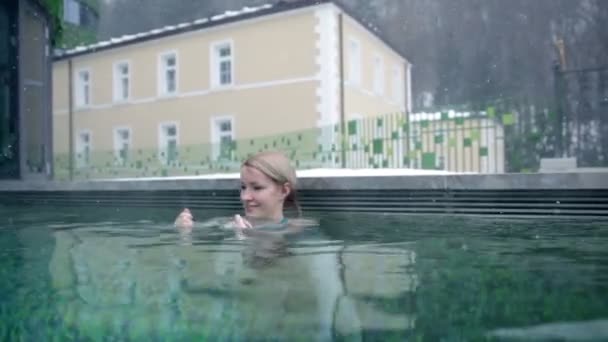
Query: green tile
pixel 483 151
pixel 459 121
pixel 378 146
pixel 418 145
pixel 445 116
pixel 424 123
pixel 352 127
pixel 508 119
pixel 439 139
pixel 491 112
pixel 467 142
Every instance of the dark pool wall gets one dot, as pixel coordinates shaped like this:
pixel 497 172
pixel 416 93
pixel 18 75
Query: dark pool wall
pixel 583 194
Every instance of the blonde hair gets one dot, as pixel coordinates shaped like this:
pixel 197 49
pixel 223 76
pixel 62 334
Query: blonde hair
pixel 276 166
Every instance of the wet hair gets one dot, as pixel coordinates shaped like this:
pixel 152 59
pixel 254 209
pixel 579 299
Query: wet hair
pixel 276 166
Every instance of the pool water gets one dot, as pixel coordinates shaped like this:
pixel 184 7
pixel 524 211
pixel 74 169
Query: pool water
pixel 112 274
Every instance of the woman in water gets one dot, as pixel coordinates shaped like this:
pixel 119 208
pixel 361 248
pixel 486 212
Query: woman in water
pixel 268 187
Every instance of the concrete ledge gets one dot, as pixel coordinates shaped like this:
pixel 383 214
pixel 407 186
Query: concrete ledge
pixel 552 181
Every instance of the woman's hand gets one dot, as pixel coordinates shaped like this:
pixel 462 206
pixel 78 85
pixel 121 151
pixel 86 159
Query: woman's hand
pixel 240 226
pixel 184 219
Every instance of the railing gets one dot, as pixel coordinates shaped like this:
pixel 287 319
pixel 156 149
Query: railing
pixel 458 142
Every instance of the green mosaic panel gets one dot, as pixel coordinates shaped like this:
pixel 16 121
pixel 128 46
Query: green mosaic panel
pixel 424 124
pixel 459 121
pixel 445 116
pixel 365 149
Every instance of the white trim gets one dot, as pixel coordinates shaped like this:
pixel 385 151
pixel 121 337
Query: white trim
pixel 161 81
pixel 80 163
pixel 216 135
pixel 214 61
pixel 397 88
pixel 117 142
pixel 354 62
pixel 378 72
pixel 202 92
pixel 408 77
pixel 327 63
pixel 78 91
pixel 116 81
pixel 162 139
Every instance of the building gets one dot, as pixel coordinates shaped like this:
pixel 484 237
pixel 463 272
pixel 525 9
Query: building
pixel 200 96
pixel 25 92
pixel 80 23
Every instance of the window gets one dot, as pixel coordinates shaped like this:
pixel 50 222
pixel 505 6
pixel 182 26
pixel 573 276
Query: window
pixel 222 72
pixel 222 136
pixel 83 149
pixel 71 11
pixel 83 88
pixel 121 81
pixel 378 75
pixel 398 91
pixel 122 144
pixel 354 62
pixel 168 142
pixel 168 74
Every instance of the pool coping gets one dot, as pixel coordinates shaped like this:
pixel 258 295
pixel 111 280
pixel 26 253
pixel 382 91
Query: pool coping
pixel 519 181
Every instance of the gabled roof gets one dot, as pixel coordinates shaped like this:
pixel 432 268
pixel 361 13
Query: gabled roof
pixel 204 23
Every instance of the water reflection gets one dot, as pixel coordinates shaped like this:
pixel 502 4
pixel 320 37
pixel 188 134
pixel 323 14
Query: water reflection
pixel 142 280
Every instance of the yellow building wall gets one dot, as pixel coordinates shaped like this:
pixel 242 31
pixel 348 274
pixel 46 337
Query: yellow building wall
pixel 274 99
pixel 360 99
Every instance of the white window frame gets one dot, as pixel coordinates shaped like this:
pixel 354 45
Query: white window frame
pixel 82 162
pixel 216 60
pixel 398 89
pixel 118 143
pixel 118 77
pixel 81 92
pixel 71 11
pixel 162 73
pixel 378 67
pixel 354 61
pixel 216 134
pixel 163 141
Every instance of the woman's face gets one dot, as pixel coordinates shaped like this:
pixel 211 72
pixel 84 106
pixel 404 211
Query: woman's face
pixel 261 196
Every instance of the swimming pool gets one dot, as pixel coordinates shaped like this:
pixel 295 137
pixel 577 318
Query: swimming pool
pixel 115 274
